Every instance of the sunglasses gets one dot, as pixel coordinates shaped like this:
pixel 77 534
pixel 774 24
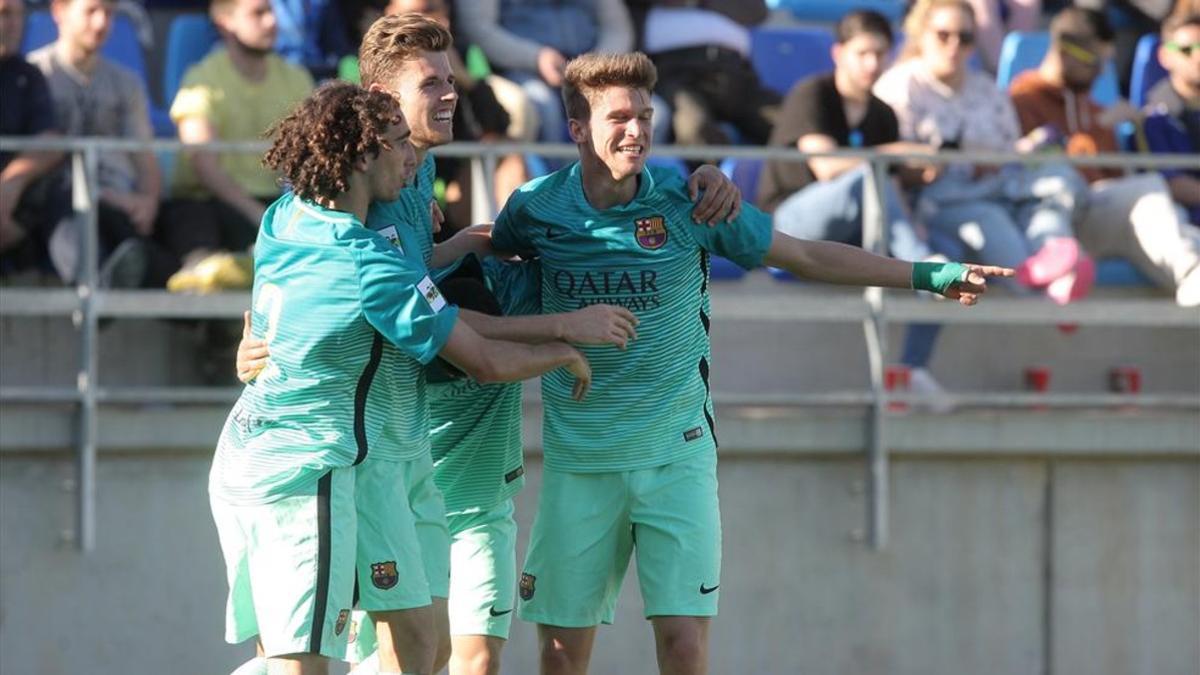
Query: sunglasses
pixel 1186 50
pixel 1079 52
pixel 965 38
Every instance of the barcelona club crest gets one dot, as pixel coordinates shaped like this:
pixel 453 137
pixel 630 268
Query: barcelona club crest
pixel 651 232
pixel 343 617
pixel 383 574
pixel 526 586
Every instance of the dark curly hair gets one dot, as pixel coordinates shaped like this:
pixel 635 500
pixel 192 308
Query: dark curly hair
pixel 316 147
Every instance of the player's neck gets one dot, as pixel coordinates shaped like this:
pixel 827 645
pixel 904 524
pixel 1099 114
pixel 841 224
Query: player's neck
pixel 354 201
pixel 601 189
pixel 77 57
pixel 251 64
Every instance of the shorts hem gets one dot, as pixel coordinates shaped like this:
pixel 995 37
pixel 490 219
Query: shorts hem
pixel 399 605
pixel 547 620
pixel 676 611
pixel 483 630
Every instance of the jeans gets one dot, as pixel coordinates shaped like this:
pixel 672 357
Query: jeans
pixel 832 211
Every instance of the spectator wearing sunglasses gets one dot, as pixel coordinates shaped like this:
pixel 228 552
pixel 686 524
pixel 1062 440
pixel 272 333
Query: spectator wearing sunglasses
pixel 1173 123
pixel 1013 215
pixel 1132 216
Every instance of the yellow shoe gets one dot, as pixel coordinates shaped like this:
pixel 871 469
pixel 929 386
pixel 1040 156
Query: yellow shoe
pixel 217 272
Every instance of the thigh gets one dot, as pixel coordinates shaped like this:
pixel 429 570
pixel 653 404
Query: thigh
pixel 391 570
pixel 825 210
pixel 483 572
pixel 429 520
pixel 677 537
pixel 291 568
pixel 578 551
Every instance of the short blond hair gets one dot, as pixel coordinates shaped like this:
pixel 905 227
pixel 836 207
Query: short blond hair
pixel 397 38
pixel 917 20
pixel 589 74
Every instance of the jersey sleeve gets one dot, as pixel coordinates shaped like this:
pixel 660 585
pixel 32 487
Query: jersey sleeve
pixel 745 241
pixel 402 302
pixel 508 233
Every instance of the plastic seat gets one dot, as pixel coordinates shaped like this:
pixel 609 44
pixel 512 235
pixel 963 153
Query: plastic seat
pixel 1119 272
pixel 832 10
pixel 723 269
pixel 189 39
pixel 121 47
pixel 744 173
pixel 1147 71
pixel 784 56
pixel 1024 51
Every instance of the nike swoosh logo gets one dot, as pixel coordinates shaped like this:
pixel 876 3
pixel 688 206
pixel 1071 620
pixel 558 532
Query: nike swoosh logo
pixel 493 612
pixel 551 234
pixel 706 591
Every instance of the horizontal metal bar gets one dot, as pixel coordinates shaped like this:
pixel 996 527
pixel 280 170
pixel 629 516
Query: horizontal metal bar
pixel 25 394
pixel 1159 312
pixel 169 395
pixel 165 305
pixel 567 150
pixel 38 301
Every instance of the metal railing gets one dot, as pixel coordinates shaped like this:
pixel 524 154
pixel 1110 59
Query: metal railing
pixel 86 304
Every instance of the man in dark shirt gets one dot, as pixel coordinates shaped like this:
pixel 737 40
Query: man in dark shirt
pixel 1173 124
pixel 823 197
pixel 26 208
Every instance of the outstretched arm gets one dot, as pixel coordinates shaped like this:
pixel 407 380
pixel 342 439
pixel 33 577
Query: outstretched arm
pixel 836 263
pixel 593 325
pixel 486 360
pixel 476 239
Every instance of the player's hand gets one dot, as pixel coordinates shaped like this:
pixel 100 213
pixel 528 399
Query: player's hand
pixel 582 370
pixel 436 216
pixel 968 291
pixel 600 325
pixel 722 200
pixel 252 353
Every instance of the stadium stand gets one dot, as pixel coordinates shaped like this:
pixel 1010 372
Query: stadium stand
pixel 1022 51
pixel 1147 71
pixel 784 55
pixel 832 10
pixel 189 39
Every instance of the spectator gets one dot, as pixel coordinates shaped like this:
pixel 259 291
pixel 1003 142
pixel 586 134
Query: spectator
pixel 997 18
pixel 702 51
pixel 1132 217
pixel 96 97
pixel 531 41
pixel 1010 216
pixel 311 34
pixel 1132 19
pixel 30 202
pixel 234 94
pixel 1173 124
pixel 822 198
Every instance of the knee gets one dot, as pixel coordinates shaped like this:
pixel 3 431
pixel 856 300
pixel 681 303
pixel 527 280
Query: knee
pixel 558 658
pixel 482 662
pixel 442 655
pixel 683 648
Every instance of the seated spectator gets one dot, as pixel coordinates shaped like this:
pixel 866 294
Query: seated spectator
pixel 1132 19
pixel 702 51
pixel 532 40
pixel 234 94
pixel 31 202
pixel 96 97
pixel 997 18
pixel 479 116
pixel 1010 216
pixel 1173 123
pixel 1132 217
pixel 822 198
pixel 311 34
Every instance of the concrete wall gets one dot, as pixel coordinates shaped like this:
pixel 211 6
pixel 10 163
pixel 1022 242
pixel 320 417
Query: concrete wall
pixel 996 566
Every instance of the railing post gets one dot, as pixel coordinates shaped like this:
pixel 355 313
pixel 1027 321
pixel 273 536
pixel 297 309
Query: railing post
pixel 85 195
pixel 875 330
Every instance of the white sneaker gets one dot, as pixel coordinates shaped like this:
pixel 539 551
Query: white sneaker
pixel 938 400
pixel 1187 294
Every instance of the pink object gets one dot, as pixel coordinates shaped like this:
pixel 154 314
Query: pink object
pixel 1056 258
pixel 1074 285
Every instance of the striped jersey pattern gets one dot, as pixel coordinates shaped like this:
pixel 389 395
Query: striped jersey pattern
pixel 341 311
pixel 410 209
pixel 650 404
pixel 476 429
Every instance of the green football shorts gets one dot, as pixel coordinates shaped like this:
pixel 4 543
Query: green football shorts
pixel 290 567
pixel 426 557
pixel 483 571
pixel 588 525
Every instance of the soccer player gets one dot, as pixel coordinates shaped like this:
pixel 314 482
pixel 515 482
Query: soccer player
pixel 303 483
pixel 633 470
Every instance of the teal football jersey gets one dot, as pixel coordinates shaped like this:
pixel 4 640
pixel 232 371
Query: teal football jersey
pixel 650 404
pixel 411 209
pixel 342 312
pixel 476 428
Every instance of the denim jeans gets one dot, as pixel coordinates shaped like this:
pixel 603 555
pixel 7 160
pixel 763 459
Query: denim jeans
pixel 832 211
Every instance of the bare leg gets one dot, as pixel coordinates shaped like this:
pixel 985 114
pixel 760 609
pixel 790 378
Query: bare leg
pixel 565 651
pixel 441 621
pixel 682 644
pixel 298 664
pixel 476 655
pixel 407 640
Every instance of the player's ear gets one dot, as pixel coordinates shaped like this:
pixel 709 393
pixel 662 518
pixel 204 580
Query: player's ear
pixel 578 130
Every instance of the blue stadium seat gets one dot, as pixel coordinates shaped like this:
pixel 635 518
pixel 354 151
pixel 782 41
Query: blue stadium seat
pixel 1119 272
pixel 1147 71
pixel 832 10
pixel 744 173
pixel 782 56
pixel 189 39
pixel 669 163
pixel 1023 51
pixel 723 269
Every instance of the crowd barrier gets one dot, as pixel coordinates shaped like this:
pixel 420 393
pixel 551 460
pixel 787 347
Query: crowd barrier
pixel 874 309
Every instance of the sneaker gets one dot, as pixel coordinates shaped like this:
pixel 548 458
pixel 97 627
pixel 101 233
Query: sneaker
pixel 1055 259
pixel 217 272
pixel 125 266
pixel 938 400
pixel 1187 294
